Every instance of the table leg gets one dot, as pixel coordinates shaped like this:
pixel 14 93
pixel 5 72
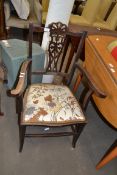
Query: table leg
pixel 111 154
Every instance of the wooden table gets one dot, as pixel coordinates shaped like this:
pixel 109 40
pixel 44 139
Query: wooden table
pixel 103 67
pixel 91 30
pixel 98 62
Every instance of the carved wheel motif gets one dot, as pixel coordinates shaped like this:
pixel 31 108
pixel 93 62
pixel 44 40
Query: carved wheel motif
pixel 57 38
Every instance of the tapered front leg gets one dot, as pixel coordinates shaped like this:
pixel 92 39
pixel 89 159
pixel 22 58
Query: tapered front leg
pixel 22 130
pixel 1 113
pixel 78 129
pixel 110 154
pixel 107 158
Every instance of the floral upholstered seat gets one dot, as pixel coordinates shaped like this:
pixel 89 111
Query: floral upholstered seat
pixel 51 104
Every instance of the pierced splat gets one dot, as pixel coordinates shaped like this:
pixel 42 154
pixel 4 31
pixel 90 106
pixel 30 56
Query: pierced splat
pixel 57 39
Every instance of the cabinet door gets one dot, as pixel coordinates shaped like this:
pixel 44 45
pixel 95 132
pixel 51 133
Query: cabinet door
pixel 2 22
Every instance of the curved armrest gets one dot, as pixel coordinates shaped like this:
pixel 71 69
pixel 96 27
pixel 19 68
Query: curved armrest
pixel 20 85
pixel 90 81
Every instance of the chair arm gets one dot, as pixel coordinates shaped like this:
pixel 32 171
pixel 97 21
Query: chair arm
pixel 21 81
pixel 98 92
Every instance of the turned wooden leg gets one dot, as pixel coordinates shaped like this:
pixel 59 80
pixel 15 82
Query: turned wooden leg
pixel 78 129
pixel 111 154
pixel 22 130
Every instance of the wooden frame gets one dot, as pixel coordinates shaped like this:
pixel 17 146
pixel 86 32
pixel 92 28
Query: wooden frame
pixel 2 21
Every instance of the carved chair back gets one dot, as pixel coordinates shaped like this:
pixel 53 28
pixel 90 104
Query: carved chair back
pixel 63 45
pixel 57 39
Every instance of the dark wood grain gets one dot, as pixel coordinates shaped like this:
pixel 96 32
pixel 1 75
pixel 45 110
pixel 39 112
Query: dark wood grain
pixel 2 21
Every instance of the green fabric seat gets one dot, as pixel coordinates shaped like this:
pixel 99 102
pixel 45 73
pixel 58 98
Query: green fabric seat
pixel 15 52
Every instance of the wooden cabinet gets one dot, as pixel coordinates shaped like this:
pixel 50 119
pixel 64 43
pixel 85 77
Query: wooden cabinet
pixel 2 21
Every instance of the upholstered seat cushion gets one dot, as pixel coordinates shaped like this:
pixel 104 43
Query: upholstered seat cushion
pixel 20 23
pixel 102 24
pixel 76 19
pixel 50 104
pixel 12 20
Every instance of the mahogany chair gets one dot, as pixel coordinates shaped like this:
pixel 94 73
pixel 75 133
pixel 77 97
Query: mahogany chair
pixel 12 20
pixel 52 105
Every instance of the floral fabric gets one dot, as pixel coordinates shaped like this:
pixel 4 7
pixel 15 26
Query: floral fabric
pixel 51 104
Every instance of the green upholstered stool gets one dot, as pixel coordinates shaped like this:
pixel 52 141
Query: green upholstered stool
pixel 14 52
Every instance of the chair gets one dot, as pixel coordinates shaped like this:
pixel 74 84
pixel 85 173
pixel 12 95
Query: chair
pixel 103 10
pixel 52 105
pixel 110 23
pixel 88 15
pixel 12 20
pixel 45 5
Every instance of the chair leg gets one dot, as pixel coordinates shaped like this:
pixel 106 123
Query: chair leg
pixel 1 113
pixel 22 130
pixel 110 154
pixel 78 130
pixel 18 107
pixel 18 103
